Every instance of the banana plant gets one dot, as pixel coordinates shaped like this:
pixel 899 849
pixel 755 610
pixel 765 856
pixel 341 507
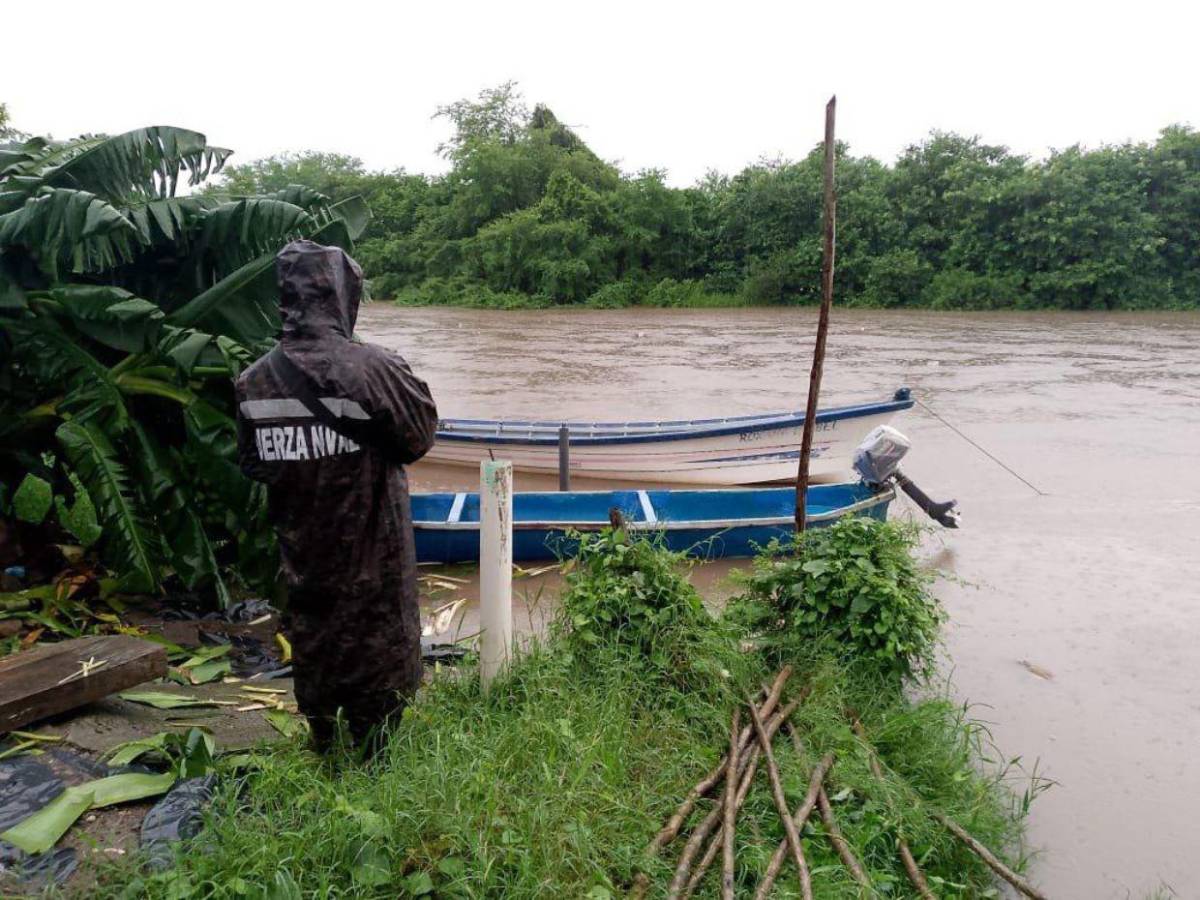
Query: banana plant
pixel 126 311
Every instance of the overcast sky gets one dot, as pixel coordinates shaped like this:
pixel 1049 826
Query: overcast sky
pixel 681 86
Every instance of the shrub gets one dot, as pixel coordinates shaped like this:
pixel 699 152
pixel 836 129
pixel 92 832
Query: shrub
pixel 629 592
pixel 855 584
pixel 895 278
pixel 786 277
pixel 457 292
pixel 672 293
pixel 963 289
pixel 615 295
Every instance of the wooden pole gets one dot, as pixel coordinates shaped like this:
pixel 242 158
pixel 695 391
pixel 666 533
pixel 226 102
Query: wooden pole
pixel 564 458
pixel 495 567
pixel 818 363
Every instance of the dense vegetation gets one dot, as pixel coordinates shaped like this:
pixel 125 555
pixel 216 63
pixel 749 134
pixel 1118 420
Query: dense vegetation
pixel 552 783
pixel 528 214
pixel 125 313
pixel 855 584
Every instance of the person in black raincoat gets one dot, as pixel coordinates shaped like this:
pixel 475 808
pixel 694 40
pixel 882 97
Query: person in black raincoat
pixel 328 424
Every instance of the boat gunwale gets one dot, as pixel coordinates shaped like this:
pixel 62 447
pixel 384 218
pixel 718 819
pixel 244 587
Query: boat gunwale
pixel 688 430
pixel 887 495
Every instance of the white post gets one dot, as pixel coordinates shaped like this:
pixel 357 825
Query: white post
pixel 495 567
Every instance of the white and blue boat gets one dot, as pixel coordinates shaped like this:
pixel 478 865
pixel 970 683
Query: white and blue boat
pixel 758 449
pixel 706 523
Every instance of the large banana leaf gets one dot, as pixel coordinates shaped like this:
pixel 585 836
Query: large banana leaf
pixel 12 295
pixel 304 197
pixel 130 545
pixel 26 163
pixel 245 304
pixel 56 362
pixel 355 215
pixel 235 233
pixel 147 162
pixel 71 227
pixel 14 158
pixel 210 453
pixel 168 219
pixel 110 315
pixel 186 347
pixel 39 832
pixel 186 543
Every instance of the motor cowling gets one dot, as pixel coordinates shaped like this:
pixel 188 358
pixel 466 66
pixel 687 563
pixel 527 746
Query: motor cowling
pixel 877 461
pixel 878 456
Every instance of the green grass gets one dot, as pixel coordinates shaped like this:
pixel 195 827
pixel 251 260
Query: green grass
pixel 551 785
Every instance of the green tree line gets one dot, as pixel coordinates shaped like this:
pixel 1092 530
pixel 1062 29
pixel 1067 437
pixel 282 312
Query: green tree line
pixel 528 215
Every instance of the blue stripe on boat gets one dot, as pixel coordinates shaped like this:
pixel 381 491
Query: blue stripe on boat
pixel 766 457
pixel 683 430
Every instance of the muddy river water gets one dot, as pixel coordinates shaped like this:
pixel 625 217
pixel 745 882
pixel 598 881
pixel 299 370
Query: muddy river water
pixel 1096 585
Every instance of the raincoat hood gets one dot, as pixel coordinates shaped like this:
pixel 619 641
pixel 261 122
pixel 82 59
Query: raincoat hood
pixel 319 290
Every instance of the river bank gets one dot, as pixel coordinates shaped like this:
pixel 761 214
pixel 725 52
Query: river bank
pixel 1092 584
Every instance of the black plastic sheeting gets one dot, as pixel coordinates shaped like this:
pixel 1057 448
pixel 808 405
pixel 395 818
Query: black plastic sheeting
pixel 176 817
pixel 444 653
pixel 250 656
pixel 27 785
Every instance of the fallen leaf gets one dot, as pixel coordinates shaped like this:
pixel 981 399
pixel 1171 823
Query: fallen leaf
pixel 39 832
pixel 285 648
pixel 209 671
pixel 163 700
pixel 285 723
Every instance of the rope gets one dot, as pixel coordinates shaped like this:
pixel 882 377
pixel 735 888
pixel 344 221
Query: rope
pixel 981 449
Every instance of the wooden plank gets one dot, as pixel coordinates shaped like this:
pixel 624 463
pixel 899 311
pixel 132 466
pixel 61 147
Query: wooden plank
pixel 49 679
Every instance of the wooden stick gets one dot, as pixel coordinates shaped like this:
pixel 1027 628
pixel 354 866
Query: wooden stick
pixel 818 363
pixel 713 778
pixel 710 853
pixel 839 842
pixel 849 860
pixel 680 879
pixel 731 790
pixel 789 828
pixel 910 863
pixel 796 822
pixel 988 857
pixel 914 873
pixel 749 771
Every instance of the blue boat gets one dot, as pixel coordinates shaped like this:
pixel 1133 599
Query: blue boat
pixel 706 523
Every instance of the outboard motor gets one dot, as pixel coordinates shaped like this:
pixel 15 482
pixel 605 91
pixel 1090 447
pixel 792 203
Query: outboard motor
pixel 877 461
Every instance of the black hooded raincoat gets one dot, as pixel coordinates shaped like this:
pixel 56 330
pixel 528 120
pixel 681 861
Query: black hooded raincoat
pixel 339 502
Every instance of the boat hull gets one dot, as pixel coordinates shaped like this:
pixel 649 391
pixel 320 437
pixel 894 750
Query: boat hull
pixel 708 524
pixel 747 450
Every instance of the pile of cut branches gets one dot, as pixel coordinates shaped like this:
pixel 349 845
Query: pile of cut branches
pixel 750 750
